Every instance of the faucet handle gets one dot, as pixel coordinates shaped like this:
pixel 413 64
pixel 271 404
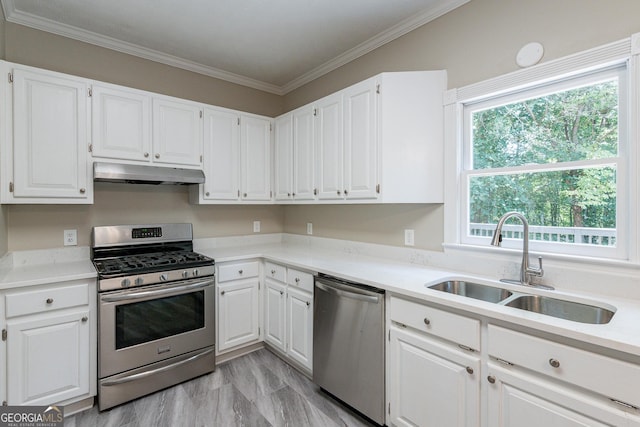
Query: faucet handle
pixel 538 271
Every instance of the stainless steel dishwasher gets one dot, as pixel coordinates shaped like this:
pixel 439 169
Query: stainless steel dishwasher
pixel 348 344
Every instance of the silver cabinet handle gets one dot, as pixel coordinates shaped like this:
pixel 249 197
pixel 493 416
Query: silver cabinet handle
pixel 146 154
pixel 349 292
pixel 157 155
pixel 554 362
pixel 427 321
pixel 83 190
pixel 49 300
pixel 491 379
pixel 84 319
pixel 469 370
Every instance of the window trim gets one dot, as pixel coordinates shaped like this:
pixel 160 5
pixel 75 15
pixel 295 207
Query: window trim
pixel 617 54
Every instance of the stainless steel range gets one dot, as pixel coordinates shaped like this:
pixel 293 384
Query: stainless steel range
pixel 156 310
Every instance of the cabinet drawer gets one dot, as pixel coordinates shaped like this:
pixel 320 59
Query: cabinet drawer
pixel 300 279
pixel 610 377
pixel 40 300
pixel 275 271
pixel 459 329
pixel 235 271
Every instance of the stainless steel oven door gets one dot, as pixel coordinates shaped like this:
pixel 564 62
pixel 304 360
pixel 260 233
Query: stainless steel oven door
pixel 145 325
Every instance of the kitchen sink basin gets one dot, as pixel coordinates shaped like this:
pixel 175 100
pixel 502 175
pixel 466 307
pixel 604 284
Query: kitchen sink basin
pixel 562 309
pixel 472 290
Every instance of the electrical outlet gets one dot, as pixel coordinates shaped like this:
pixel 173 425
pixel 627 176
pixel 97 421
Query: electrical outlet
pixel 309 228
pixel 256 226
pixel 70 237
pixel 409 238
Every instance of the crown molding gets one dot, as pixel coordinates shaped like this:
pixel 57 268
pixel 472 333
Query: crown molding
pixel 398 30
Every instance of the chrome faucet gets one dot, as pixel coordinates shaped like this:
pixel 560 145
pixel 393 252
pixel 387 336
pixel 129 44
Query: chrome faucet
pixel 526 272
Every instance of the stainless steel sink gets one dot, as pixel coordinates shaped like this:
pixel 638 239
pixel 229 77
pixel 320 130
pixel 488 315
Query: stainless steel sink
pixel 562 309
pixel 472 290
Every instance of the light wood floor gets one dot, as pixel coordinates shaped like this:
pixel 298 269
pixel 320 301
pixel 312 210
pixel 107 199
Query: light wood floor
pixel 257 389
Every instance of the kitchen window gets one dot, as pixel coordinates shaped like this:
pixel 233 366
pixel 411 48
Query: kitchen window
pixel 557 153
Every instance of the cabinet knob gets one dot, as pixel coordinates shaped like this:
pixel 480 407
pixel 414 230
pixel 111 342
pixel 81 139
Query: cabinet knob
pixel 84 319
pixel 427 321
pixel 288 194
pixel 297 279
pixel 293 194
pixel 240 271
pixel 49 300
pixel 157 156
pixel 554 362
pixel 206 194
pixel 146 154
pixel 339 193
pixel 222 292
pixel 346 192
pixel 281 292
pixel 244 194
pixel 491 379
pixel 469 370
pixel 308 304
pixel 273 272
pixel 82 191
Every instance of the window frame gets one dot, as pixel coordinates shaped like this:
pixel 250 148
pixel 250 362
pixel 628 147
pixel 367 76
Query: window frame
pixel 619 251
pixel 622 52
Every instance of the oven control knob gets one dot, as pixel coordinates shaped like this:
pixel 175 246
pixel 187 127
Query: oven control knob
pixel 185 274
pixel 125 283
pixel 139 281
pixel 164 277
pixel 196 272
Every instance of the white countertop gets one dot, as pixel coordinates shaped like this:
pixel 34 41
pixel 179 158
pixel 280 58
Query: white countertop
pixel 402 278
pixel 622 333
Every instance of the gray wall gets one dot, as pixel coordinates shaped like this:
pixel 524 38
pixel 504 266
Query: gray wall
pixel 474 42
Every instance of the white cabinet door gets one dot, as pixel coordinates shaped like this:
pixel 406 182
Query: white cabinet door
pixel 121 124
pixel 431 384
pixel 238 313
pixel 300 327
pixel 177 132
pixel 255 158
pixel 303 156
pixel 329 147
pixel 522 400
pixel 283 157
pixel 48 358
pixel 221 154
pixel 50 143
pixel 274 314
pixel 360 140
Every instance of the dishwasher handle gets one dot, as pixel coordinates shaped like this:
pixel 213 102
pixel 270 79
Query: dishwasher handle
pixel 349 292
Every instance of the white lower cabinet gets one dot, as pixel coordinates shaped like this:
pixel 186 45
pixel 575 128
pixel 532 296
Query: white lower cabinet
pixel 237 304
pixel 50 344
pixel 288 321
pixel 518 399
pixel 432 380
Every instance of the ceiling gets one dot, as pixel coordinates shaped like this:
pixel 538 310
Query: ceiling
pixel 271 45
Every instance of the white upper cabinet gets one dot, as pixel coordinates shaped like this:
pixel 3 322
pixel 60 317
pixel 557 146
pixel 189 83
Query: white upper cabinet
pixel 294 155
pixel 378 141
pixel 221 154
pixel 177 132
pixel 237 159
pixel 121 123
pixel 360 140
pixel 283 157
pixel 255 158
pixel 136 126
pixel 329 147
pixel 44 160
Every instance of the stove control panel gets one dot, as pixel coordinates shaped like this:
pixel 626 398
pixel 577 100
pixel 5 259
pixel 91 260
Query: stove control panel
pixel 143 233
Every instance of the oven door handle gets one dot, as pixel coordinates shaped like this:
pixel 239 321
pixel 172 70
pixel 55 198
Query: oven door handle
pixel 155 293
pixel 141 375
